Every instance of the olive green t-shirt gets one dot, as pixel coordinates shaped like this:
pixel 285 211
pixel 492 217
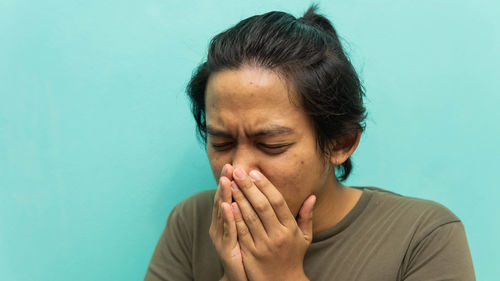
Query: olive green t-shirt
pixel 385 237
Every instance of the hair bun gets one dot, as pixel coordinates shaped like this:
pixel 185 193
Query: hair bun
pixel 312 18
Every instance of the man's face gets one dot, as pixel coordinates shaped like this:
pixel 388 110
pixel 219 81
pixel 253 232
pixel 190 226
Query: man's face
pixel 252 124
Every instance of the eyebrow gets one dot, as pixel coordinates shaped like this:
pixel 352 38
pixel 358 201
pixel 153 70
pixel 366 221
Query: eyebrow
pixel 269 131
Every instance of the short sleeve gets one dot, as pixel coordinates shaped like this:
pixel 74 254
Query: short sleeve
pixel 443 254
pixel 171 260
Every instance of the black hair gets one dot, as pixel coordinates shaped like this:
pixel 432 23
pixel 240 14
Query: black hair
pixel 308 53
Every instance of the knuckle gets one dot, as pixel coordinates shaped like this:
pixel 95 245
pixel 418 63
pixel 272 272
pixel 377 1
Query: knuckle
pixel 249 184
pixel 276 201
pixel 260 206
pixel 238 219
pixel 281 243
pixel 226 234
pixel 243 231
pixel 261 253
pixel 265 251
pixel 251 218
pixel 246 184
pixel 279 240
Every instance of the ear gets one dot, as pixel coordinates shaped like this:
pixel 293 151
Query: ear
pixel 344 147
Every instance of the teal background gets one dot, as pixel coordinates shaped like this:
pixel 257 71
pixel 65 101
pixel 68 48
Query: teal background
pixel 97 143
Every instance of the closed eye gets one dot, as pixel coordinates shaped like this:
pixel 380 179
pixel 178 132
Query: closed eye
pixel 274 148
pixel 222 146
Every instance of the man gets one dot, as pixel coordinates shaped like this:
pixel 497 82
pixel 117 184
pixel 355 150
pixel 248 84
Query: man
pixel 280 108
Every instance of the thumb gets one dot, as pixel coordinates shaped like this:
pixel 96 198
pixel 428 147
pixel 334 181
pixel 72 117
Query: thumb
pixel 305 221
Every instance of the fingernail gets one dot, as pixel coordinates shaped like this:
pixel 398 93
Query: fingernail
pixel 223 171
pixel 234 206
pixel 239 173
pixel 255 175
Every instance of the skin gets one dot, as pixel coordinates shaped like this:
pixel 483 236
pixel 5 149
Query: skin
pixel 255 124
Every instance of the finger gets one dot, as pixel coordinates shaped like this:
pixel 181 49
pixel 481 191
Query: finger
pixel 305 220
pixel 257 199
pixel 228 171
pixel 250 217
pixel 215 213
pixel 216 202
pixel 216 224
pixel 226 192
pixel 231 247
pixel 275 198
pixel 225 186
pixel 218 193
pixel 229 235
pixel 244 235
pixel 226 195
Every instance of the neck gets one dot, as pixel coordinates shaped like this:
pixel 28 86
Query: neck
pixel 333 203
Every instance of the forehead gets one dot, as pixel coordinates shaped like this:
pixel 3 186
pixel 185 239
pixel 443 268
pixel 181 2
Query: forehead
pixel 250 93
pixel 247 85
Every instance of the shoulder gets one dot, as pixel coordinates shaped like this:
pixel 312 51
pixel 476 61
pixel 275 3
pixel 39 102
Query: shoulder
pixel 198 204
pixel 410 205
pixel 432 237
pixel 421 215
pixel 198 200
pixel 191 215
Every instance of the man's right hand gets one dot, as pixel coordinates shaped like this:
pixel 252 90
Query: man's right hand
pixel 223 229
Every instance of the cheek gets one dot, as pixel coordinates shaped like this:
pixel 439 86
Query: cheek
pixel 216 164
pixel 294 178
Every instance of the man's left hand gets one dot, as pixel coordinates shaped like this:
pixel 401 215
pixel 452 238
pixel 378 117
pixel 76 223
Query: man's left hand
pixel 272 242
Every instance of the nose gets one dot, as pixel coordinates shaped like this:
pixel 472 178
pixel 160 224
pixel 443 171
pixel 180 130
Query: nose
pixel 244 158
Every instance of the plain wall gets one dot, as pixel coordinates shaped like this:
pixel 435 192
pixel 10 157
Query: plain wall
pixel 97 143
